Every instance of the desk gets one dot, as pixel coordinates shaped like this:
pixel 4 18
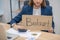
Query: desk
pixel 43 36
pixel 6 26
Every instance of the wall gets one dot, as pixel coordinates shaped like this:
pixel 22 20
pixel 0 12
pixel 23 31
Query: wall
pixel 56 14
pixel 6 7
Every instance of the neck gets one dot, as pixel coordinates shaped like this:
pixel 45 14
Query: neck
pixel 36 7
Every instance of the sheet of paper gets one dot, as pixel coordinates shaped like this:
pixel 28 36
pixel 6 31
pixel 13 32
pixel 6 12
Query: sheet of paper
pixel 12 31
pixel 27 34
pixel 11 34
pixel 36 34
pixel 33 35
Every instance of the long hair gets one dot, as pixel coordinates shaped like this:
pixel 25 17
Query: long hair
pixel 43 4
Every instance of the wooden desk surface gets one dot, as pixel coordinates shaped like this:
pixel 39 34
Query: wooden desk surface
pixel 49 36
pixel 6 26
pixel 43 36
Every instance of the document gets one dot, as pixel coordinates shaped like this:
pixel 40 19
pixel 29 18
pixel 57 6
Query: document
pixel 28 34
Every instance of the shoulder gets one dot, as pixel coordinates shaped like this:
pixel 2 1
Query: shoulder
pixel 49 8
pixel 26 7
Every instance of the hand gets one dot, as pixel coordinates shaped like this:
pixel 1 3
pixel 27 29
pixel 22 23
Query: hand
pixel 18 27
pixel 50 30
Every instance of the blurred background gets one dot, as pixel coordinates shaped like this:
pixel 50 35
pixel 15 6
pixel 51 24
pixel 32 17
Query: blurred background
pixel 10 8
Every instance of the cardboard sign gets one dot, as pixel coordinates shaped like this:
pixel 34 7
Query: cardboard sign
pixel 33 22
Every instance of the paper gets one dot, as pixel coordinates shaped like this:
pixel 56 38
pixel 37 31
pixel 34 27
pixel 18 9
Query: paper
pixel 36 34
pixel 28 34
pixel 12 31
pixel 33 35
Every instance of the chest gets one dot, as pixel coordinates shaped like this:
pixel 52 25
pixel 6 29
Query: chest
pixel 42 12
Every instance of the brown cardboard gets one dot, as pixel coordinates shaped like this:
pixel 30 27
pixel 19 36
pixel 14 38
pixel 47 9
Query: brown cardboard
pixel 33 22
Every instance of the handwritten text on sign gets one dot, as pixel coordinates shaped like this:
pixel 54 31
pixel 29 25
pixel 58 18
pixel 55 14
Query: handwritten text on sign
pixel 37 21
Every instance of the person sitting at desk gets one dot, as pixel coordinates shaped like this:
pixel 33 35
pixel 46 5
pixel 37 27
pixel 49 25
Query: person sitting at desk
pixel 35 7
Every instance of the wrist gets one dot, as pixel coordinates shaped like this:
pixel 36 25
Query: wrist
pixel 13 24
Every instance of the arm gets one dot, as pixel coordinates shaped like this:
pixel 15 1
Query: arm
pixel 51 14
pixel 18 18
pixel 52 30
pixel 52 19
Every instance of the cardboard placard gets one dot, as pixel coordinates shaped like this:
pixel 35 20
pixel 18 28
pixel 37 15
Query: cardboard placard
pixel 33 22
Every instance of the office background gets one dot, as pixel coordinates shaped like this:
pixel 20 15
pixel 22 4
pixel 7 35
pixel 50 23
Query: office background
pixel 6 14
